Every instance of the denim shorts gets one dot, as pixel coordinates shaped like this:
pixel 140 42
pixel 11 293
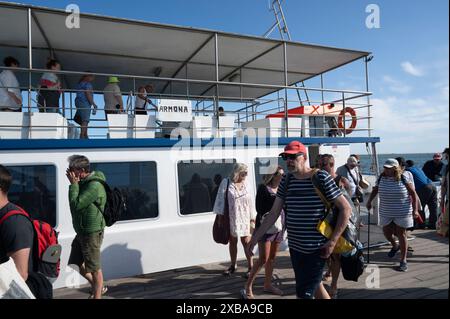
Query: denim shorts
pixel 83 110
pixel 308 269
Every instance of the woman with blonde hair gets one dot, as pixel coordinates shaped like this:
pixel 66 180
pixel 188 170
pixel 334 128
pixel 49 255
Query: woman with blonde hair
pixel 270 242
pixel 241 212
pixel 398 205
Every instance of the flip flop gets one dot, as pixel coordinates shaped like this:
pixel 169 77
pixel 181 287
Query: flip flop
pixel 245 295
pixel 274 291
pixel 229 271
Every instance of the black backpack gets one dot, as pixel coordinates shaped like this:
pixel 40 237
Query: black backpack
pixel 353 266
pixel 115 203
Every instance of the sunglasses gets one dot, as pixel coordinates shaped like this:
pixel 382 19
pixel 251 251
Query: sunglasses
pixel 292 157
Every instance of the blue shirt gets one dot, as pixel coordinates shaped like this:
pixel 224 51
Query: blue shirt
pixel 304 209
pixel 420 179
pixel 81 87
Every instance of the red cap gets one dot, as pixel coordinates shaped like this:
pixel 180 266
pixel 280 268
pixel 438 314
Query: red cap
pixel 294 147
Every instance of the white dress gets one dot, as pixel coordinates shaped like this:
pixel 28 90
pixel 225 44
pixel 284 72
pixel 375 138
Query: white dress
pixel 241 208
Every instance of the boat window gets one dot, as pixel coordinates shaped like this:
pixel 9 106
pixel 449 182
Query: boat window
pixel 198 184
pixel 34 189
pixel 138 183
pixel 262 165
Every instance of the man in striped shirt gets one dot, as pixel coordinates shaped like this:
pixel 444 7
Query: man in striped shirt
pixel 304 208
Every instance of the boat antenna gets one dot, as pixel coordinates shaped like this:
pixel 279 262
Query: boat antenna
pixel 275 6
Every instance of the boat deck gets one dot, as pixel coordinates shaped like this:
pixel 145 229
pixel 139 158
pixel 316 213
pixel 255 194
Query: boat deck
pixel 427 277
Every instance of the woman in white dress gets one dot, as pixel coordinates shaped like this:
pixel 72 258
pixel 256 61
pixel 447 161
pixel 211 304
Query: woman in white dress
pixel 241 212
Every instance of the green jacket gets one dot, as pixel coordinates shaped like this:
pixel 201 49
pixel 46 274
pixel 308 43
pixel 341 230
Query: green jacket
pixel 85 199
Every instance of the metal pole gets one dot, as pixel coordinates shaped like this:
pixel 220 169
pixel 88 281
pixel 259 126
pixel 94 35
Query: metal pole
pixel 344 119
pixel 30 60
pixel 366 62
pixel 64 103
pixel 216 60
pixel 377 173
pixel 323 106
pixel 285 90
pixel 187 82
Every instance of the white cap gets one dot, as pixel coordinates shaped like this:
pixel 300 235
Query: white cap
pixel 390 163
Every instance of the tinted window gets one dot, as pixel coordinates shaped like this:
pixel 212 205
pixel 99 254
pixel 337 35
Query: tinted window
pixel 138 183
pixel 263 163
pixel 34 189
pixel 198 185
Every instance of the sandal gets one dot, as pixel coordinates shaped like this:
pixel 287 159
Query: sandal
pixel 230 270
pixel 104 291
pixel 245 295
pixel 333 293
pixel 274 291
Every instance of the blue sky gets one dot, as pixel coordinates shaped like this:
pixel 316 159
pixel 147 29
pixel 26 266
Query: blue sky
pixel 408 76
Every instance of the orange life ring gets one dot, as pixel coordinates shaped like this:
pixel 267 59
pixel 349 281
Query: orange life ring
pixel 352 112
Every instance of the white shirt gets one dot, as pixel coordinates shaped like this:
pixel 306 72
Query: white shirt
pixel 9 80
pixel 112 91
pixel 139 103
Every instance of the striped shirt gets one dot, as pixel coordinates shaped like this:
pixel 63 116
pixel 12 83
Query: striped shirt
pixel 395 201
pixel 304 209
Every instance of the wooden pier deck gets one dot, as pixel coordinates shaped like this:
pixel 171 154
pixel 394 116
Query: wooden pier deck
pixel 427 277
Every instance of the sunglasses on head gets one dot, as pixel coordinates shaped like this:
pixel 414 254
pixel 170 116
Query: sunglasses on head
pixel 293 157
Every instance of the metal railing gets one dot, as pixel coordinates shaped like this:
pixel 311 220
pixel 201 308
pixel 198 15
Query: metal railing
pixel 254 109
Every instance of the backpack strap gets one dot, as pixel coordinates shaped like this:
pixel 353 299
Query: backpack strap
pixel 105 186
pixel 226 211
pixel 12 213
pixel 318 187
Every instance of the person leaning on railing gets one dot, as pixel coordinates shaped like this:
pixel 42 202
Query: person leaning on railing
pixel 10 97
pixel 49 89
pixel 83 102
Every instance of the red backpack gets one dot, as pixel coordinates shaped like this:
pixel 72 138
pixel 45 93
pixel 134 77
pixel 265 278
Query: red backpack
pixel 46 249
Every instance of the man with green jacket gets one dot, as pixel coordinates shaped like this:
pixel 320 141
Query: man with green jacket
pixel 87 198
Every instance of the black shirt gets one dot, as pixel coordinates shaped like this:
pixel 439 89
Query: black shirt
pixel 16 233
pixel 432 170
pixel 264 203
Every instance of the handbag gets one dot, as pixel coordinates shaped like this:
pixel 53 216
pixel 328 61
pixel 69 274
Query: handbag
pixel 359 193
pixel 221 227
pixel 276 227
pixel 348 239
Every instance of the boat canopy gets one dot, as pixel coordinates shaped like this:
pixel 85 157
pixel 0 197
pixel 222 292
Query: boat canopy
pixel 111 45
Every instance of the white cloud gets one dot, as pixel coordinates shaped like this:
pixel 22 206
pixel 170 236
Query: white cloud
pixel 404 123
pixel 396 86
pixel 409 68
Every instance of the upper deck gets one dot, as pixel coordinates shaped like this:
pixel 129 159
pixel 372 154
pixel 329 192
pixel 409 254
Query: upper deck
pixel 222 84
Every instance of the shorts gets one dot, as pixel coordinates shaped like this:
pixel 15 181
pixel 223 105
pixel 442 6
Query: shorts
pixel 404 222
pixel 48 101
pixel 86 249
pixel 277 237
pixel 308 269
pixel 83 110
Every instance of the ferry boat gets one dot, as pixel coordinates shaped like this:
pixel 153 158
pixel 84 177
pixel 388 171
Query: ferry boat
pixel 226 97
